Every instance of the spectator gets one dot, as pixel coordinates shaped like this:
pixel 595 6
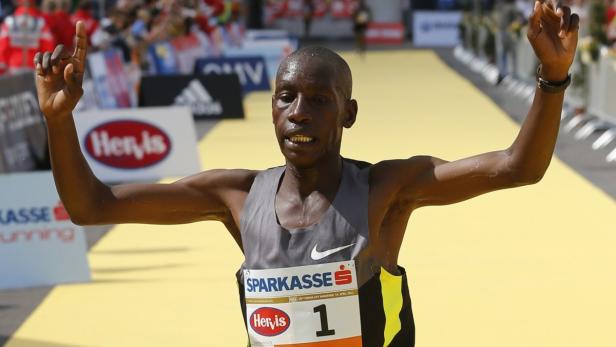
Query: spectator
pixel 361 19
pixel 525 7
pixel 233 29
pixel 110 34
pixel 22 34
pixel 6 8
pixel 611 11
pixel 506 16
pixel 307 14
pixel 61 27
pixel 611 23
pixel 206 11
pixel 580 7
pixel 84 14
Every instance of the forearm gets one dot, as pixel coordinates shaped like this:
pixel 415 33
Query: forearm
pixel 80 190
pixel 532 150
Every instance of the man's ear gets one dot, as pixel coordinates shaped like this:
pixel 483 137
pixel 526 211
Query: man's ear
pixel 350 113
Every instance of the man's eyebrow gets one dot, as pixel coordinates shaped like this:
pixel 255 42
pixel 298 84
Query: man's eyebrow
pixel 282 84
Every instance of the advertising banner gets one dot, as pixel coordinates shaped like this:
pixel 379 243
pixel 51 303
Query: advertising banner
pixel 212 97
pixel 39 246
pixel 436 28
pixel 188 49
pixel 110 79
pixel 385 33
pixel 272 50
pixel 23 138
pixel 386 11
pixel 250 70
pixel 163 58
pixel 267 34
pixel 140 144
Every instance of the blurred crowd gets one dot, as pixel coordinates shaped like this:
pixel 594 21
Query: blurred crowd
pixel 29 26
pixel 494 31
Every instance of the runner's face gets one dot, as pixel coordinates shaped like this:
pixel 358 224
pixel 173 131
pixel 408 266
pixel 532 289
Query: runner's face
pixel 309 111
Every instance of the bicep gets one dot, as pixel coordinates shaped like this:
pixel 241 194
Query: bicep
pixel 434 181
pixel 200 197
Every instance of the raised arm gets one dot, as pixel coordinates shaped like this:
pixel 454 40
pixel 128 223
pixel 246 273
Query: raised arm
pixel 432 181
pixel 208 195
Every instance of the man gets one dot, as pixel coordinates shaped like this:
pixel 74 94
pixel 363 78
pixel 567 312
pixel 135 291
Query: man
pixel 84 14
pixel 59 20
pixel 6 8
pixel 308 9
pixel 361 19
pixel 22 34
pixel 506 14
pixel 320 235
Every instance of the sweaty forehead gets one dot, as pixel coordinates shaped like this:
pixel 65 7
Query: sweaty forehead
pixel 306 70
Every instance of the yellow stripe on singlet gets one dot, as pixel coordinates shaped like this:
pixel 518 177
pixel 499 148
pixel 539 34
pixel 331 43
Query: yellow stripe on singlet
pixel 391 291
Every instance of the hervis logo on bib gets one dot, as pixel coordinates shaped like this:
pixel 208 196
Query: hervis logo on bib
pixel 269 321
pixel 127 144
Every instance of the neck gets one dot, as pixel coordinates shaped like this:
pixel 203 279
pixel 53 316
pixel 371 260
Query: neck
pixel 324 177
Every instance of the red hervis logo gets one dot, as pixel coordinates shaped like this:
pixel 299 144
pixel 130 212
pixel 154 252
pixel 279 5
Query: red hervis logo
pixel 269 321
pixel 128 144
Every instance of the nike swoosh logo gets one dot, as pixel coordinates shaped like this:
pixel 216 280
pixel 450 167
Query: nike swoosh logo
pixel 316 255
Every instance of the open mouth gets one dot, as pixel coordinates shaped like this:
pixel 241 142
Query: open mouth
pixel 300 139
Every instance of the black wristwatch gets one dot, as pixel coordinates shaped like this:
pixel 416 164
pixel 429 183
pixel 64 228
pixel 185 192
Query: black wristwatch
pixel 552 87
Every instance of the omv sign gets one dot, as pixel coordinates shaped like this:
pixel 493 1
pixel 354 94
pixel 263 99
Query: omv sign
pixel 251 70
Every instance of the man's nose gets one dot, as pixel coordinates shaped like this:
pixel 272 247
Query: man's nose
pixel 300 111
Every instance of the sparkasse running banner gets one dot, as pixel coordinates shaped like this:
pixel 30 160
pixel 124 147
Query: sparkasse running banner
pixel 140 144
pixel 251 70
pixel 211 97
pixel 39 246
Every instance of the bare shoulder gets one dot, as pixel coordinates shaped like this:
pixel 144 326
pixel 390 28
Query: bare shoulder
pixel 401 181
pixel 239 180
pixel 401 172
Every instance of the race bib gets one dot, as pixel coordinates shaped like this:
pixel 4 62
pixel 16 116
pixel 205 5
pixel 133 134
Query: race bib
pixel 307 306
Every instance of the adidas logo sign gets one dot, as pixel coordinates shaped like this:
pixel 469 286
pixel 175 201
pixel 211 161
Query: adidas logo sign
pixel 200 101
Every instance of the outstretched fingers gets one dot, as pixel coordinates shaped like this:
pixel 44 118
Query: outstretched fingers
pixel 59 59
pixel 38 64
pixel 81 45
pixel 550 15
pixel 73 81
pixel 574 23
pixel 565 20
pixel 46 62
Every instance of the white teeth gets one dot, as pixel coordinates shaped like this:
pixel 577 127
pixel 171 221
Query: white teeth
pixel 301 139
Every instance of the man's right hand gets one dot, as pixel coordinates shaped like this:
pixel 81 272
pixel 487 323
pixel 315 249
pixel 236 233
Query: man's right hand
pixel 59 76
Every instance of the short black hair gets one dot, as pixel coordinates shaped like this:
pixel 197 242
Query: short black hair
pixel 342 71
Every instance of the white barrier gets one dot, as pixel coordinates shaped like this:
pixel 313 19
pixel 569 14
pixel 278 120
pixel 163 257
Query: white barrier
pixel 601 102
pixel 39 246
pixel 596 83
pixel 436 28
pixel 526 59
pixel 596 93
pixel 139 144
pixel 608 68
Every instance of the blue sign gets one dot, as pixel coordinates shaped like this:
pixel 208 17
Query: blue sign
pixel 162 55
pixel 251 70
